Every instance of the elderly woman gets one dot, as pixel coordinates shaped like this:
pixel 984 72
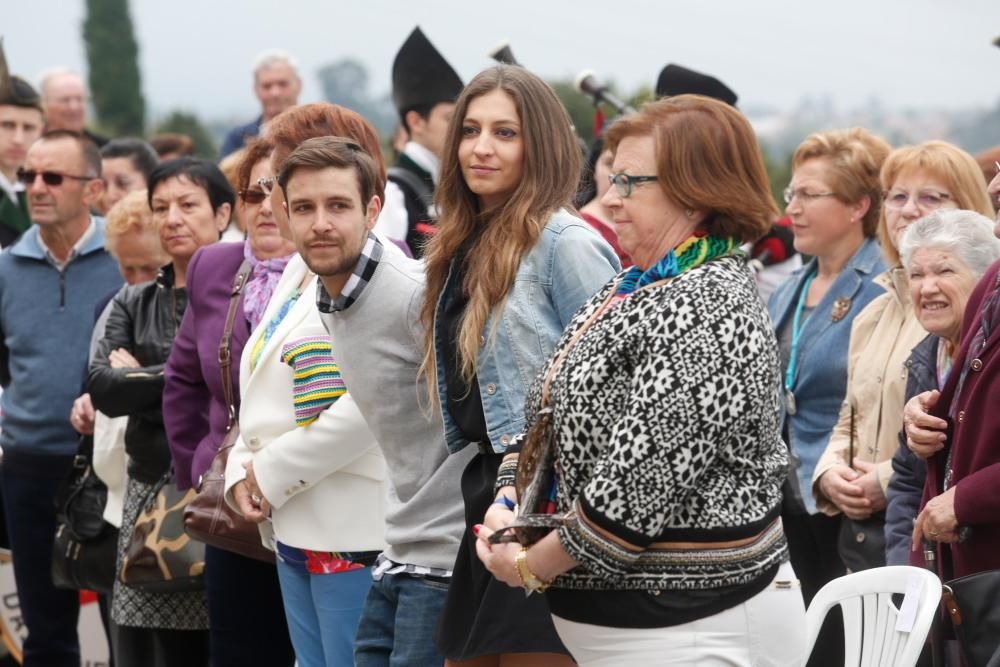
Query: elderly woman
pixel 190 201
pixel 131 237
pixel 944 255
pixel 247 622
pixel 665 418
pixel 852 474
pixel 958 433
pixel 833 201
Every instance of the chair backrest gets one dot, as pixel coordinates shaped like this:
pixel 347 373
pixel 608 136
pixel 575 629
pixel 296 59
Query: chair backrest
pixel 865 598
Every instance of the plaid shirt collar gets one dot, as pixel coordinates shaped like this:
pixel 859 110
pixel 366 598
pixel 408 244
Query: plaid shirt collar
pixel 371 253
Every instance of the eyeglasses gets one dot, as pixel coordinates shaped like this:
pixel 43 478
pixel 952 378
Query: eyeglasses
pixel 253 196
pixel 266 184
pixel 804 195
pixel 624 183
pixel 925 199
pixel 53 178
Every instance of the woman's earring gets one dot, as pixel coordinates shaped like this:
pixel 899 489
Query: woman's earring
pixel 689 213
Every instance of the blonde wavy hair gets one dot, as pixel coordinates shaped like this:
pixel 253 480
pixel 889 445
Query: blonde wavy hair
pixel 550 173
pixel 131 215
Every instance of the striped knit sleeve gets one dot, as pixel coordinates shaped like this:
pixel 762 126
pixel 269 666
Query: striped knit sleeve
pixel 317 381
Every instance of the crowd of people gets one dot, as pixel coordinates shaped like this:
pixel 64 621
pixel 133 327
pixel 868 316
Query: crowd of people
pixel 435 389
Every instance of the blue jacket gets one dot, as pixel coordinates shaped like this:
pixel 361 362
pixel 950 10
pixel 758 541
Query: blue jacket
pixel 237 137
pixel 821 365
pixel 46 318
pixel 908 472
pixel 568 265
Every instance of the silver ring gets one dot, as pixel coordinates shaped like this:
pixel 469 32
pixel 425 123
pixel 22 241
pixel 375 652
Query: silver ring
pixel 255 499
pixel 933 533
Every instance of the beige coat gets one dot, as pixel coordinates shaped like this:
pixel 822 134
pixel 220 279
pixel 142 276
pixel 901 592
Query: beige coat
pixel 882 336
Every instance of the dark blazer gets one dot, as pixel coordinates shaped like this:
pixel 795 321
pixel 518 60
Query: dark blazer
pixel 906 485
pixel 194 409
pixel 974 442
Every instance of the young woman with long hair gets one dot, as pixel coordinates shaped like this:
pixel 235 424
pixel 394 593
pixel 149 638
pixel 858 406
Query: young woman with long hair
pixel 506 271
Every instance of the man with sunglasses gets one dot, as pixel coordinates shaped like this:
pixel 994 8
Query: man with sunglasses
pixel 21 122
pixel 50 283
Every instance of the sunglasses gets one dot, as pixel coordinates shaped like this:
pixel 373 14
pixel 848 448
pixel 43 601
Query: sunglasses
pixel 253 196
pixel 53 178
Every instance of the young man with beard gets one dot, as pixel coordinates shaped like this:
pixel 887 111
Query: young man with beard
pixel 369 297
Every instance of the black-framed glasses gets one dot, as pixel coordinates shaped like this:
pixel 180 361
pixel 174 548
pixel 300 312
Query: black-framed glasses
pixel 924 199
pixel 803 195
pixel 253 195
pixel 266 184
pixel 624 183
pixel 53 178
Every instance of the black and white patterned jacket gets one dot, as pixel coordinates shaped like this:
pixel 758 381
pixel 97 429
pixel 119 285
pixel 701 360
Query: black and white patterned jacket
pixel 666 422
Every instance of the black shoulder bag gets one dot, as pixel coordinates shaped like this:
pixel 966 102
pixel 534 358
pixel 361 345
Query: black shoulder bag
pixel 85 545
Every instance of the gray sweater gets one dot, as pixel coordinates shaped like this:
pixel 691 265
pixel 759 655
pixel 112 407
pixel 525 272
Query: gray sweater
pixel 378 344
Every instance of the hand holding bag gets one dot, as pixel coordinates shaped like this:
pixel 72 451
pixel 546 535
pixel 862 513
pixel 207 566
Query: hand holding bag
pixel 161 557
pixel 536 477
pixel 85 545
pixel 861 542
pixel 208 518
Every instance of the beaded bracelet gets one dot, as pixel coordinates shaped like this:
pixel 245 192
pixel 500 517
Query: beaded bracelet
pixel 506 475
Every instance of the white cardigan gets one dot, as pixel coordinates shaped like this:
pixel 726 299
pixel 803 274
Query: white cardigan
pixel 325 481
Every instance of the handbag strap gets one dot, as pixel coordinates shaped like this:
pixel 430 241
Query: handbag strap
pixel 557 364
pixel 225 349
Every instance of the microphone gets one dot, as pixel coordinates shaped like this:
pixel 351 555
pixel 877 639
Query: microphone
pixel 774 247
pixel 587 83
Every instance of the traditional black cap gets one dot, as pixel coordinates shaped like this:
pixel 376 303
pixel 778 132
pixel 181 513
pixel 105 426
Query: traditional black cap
pixel 679 80
pixel 421 76
pixel 15 91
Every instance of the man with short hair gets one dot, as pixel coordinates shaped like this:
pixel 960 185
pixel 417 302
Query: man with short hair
pixel 64 98
pixel 50 283
pixel 277 85
pixel 21 122
pixel 424 88
pixel 369 299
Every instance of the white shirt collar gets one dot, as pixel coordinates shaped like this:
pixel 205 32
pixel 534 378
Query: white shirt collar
pixel 10 188
pixel 78 247
pixel 424 158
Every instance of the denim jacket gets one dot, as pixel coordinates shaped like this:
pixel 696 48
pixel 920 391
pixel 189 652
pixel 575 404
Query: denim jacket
pixel 569 264
pixel 821 363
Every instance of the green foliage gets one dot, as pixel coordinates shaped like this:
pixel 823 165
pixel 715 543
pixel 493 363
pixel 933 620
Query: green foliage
pixel 779 173
pixel 113 62
pixel 579 107
pixel 183 122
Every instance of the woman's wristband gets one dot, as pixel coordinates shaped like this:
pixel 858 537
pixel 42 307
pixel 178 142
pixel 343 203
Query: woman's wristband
pixel 506 475
pixel 505 502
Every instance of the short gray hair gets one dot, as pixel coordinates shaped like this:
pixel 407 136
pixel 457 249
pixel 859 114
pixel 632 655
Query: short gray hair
pixel 272 57
pixel 966 233
pixel 53 72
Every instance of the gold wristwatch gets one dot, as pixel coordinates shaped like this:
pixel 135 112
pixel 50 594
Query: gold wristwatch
pixel 531 583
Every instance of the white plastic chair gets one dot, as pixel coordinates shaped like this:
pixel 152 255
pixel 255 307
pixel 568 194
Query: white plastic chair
pixel 870 635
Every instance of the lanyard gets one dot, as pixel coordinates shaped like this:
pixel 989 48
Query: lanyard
pixel 797 326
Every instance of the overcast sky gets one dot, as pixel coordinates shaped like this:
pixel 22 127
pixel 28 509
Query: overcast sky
pixel 197 54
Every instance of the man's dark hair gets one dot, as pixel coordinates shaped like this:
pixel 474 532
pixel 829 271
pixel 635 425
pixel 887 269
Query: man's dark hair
pixel 336 152
pixel 140 154
pixel 88 149
pixel 201 172
pixel 423 110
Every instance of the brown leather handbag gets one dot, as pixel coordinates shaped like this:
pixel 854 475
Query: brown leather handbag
pixel 208 518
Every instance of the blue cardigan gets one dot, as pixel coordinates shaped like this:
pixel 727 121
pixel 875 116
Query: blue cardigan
pixel 46 318
pixel 821 366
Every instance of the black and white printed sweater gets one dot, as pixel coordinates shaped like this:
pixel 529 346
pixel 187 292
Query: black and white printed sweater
pixel 666 421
